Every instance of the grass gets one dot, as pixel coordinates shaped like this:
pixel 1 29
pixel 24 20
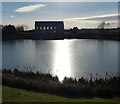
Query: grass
pixel 18 95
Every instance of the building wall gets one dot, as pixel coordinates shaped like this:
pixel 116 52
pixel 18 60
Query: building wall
pixel 46 29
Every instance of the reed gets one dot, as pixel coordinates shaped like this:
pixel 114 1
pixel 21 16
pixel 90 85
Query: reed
pixel 69 87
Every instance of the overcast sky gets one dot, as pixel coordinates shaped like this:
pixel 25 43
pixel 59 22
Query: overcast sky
pixel 80 14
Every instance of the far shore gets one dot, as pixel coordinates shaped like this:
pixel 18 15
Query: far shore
pixel 75 33
pixel 67 38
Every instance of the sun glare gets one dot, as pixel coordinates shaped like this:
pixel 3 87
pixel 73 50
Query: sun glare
pixel 62 66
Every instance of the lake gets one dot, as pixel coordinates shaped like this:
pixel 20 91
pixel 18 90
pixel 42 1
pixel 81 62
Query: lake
pixel 71 58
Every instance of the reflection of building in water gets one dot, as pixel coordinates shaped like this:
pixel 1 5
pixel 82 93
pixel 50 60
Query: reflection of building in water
pixel 48 29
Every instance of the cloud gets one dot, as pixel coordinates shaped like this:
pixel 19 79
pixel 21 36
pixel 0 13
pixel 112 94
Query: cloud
pixel 92 21
pixel 29 8
pixel 99 17
pixel 12 16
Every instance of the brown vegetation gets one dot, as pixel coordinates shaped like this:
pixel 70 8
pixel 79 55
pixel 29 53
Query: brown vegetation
pixel 108 87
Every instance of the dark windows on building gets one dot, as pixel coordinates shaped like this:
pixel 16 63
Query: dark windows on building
pixel 48 29
pixel 51 28
pixel 44 28
pixel 37 28
pixel 40 28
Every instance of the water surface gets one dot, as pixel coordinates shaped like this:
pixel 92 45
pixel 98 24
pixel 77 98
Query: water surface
pixel 71 58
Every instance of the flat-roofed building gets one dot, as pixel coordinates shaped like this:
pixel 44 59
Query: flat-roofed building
pixel 49 29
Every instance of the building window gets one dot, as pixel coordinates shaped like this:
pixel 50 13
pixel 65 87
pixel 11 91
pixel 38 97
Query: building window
pixel 54 27
pixel 44 28
pixel 51 28
pixel 37 28
pixel 54 31
pixel 40 28
pixel 47 28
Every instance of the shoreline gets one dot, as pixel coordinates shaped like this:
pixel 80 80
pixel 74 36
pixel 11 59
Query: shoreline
pixel 102 34
pixel 69 87
pixel 64 39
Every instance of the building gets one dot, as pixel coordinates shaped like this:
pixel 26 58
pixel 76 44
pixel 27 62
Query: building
pixel 49 30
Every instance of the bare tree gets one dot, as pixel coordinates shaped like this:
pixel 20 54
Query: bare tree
pixel 101 25
pixel 22 27
pixel 26 27
pixel 107 25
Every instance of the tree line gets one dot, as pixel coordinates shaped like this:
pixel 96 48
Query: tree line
pixel 15 32
pixel 103 31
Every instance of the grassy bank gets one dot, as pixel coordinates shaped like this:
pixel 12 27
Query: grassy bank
pixel 18 95
pixel 69 87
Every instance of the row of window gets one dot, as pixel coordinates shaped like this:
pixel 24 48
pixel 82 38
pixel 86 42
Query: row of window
pixel 46 28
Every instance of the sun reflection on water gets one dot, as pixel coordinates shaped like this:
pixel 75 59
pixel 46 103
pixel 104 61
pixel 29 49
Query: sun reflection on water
pixel 62 62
